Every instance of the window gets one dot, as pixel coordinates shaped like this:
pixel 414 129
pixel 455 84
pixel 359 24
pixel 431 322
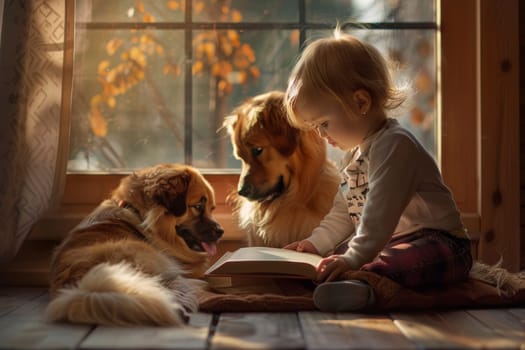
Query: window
pixel 154 79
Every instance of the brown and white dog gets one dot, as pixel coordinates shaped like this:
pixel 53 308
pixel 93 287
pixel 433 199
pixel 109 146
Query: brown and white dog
pixel 133 260
pixel 287 184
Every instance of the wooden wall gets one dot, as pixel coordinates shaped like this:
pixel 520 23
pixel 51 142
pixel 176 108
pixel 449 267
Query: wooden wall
pixel 522 131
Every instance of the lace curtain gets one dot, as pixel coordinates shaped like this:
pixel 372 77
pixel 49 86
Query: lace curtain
pixel 31 72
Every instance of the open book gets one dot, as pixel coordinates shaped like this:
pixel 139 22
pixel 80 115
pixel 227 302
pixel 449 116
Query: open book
pixel 265 262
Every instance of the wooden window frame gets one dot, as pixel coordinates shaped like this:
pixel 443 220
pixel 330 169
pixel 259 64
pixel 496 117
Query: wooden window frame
pixel 478 148
pixel 480 122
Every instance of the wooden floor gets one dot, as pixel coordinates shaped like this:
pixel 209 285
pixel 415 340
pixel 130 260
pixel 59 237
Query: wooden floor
pixel 22 327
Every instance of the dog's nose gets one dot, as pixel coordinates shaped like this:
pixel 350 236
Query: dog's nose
pixel 219 231
pixel 245 190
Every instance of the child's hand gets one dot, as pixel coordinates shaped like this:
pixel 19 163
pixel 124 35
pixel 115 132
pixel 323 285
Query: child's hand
pixel 302 246
pixel 331 267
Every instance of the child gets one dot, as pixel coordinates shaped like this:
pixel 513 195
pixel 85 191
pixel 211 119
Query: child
pixel 402 220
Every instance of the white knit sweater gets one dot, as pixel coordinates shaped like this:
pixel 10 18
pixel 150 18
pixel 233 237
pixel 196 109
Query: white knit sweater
pixel 393 187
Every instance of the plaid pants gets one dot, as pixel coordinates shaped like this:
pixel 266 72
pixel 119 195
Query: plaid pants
pixel 424 258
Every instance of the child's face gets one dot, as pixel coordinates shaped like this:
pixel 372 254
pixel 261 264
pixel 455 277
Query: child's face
pixel 341 128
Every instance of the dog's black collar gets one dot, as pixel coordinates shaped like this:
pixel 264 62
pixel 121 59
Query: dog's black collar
pixel 126 205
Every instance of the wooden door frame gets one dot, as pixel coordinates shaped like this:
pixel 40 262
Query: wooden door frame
pixel 480 121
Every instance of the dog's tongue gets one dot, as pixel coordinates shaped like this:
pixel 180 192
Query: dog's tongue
pixel 210 248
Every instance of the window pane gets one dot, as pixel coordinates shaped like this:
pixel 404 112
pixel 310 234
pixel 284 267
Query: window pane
pixel 245 11
pixel 127 99
pixel 370 11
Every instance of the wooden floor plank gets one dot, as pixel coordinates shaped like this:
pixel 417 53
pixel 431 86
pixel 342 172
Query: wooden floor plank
pixel 429 331
pixel 374 332
pixel 194 336
pixel 351 331
pixel 468 330
pixel 25 328
pixel 503 322
pixel 322 332
pixel 257 331
pixel 13 297
pixel 33 308
pixel 519 313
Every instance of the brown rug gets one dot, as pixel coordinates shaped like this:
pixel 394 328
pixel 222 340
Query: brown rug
pixel 488 286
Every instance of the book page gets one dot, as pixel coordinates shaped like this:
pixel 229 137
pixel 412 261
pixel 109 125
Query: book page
pixel 266 261
pixel 273 254
pixel 218 263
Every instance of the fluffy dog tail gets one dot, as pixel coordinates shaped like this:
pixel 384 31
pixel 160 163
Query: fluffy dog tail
pixel 119 295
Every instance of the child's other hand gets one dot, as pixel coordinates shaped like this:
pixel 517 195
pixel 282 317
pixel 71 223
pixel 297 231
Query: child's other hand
pixel 302 246
pixel 331 267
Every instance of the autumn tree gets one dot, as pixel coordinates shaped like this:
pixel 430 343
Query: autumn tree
pixel 133 55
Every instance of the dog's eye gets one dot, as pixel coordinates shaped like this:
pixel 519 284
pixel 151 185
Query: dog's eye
pixel 256 151
pixel 198 207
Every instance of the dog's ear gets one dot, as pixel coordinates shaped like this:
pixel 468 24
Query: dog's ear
pixel 229 122
pixel 170 192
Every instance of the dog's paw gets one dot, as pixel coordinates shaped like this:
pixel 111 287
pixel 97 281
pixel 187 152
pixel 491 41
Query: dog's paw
pixel 185 292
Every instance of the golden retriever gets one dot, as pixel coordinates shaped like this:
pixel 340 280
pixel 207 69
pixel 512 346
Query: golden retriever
pixel 287 184
pixel 135 259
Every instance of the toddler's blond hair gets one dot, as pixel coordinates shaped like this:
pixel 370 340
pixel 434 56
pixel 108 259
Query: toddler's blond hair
pixel 337 66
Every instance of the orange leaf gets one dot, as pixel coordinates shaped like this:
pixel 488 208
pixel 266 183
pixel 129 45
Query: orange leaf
pixel 423 81
pixel 102 67
pixel 236 16
pixel 226 47
pixel 148 18
pixel 139 74
pixel 173 5
pixel 110 77
pixel 417 116
pixel 294 37
pixel 240 62
pixel 199 6
pixel 171 68
pixel 255 72
pixel 117 90
pixel 209 48
pixel 145 39
pixel 106 89
pixel 197 67
pixel 95 100
pixel 233 36
pixel 140 6
pixel 248 52
pixel 224 87
pixel 221 69
pixel 216 69
pixel 113 45
pixel 111 102
pixel 98 123
pixel 138 56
